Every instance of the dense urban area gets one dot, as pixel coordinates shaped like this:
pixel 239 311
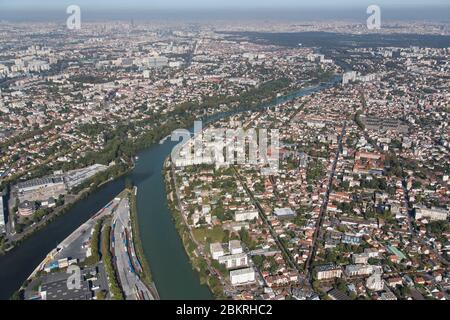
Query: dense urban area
pixel 357 207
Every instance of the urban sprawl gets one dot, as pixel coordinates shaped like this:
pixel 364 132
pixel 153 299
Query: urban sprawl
pixel 358 207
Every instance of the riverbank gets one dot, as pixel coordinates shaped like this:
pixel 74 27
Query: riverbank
pixel 250 100
pixel 171 267
pixel 100 227
pixel 194 250
pixel 146 274
pixel 198 262
pixel 93 185
pixel 95 222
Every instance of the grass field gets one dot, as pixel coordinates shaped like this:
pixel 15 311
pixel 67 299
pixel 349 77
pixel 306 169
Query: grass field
pixel 216 234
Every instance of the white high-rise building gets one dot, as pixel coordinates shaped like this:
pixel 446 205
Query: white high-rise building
pixel 349 76
pixel 353 76
pixel 375 282
pixel 242 276
pixel 216 250
pixel 2 216
pixel 233 261
pixel 245 215
pixel 235 246
pixel 434 214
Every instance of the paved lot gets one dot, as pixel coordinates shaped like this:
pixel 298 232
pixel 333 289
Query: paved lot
pixel 72 246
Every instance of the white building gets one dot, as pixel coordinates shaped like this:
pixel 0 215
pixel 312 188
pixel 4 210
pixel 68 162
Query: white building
pixel 216 250
pixel 349 76
pixel 235 246
pixel 388 295
pixel 158 62
pixel 2 216
pixel 76 177
pixel 361 258
pixel 371 252
pixel 245 215
pixel 233 261
pixel 326 272
pixel 284 213
pixel 353 76
pixel 358 270
pixel 433 214
pixel 375 282
pixel 242 276
pixel 175 64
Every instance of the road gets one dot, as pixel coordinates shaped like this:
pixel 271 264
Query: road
pixel 323 209
pixel 72 246
pixel 264 218
pixel 287 255
pixel 409 205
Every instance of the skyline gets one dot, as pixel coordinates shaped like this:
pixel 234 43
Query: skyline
pixel 241 151
pixel 358 191
pixel 358 14
pixel 208 4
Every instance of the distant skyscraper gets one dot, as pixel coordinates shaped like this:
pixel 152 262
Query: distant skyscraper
pixel 349 76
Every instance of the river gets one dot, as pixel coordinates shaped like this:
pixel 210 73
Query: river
pixel 170 265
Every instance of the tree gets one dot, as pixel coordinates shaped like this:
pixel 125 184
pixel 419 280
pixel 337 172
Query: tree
pixel 129 184
pixel 246 239
pixel 226 236
pixel 18 295
pixel 341 285
pixel 220 267
pixel 330 256
pixel 101 295
pixel 258 260
pixel 116 292
pixel 39 214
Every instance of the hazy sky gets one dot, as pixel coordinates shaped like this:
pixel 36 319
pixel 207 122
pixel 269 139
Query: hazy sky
pixel 211 4
pixel 196 10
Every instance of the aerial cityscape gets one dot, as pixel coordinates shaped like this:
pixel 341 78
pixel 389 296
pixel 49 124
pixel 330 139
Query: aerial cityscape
pixel 224 153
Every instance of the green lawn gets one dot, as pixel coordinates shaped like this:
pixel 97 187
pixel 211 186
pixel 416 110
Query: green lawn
pixel 216 234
